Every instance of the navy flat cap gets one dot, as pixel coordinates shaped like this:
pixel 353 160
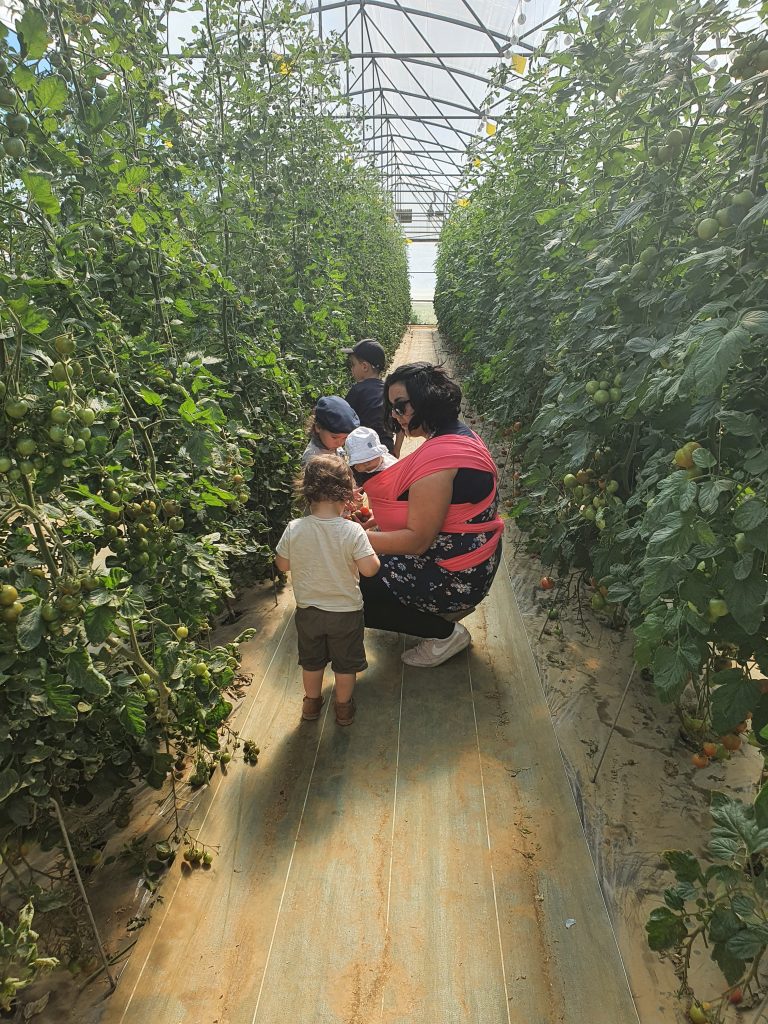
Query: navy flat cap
pixel 334 414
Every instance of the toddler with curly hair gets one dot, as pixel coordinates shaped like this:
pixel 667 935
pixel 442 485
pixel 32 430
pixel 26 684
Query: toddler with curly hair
pixel 325 554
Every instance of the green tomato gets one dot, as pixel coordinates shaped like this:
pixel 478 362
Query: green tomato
pixel 49 612
pixel 144 678
pixel 26 446
pixel 717 608
pixel 59 414
pixel 601 397
pixel 14 147
pixel 5 463
pixel 86 416
pixel 17 124
pixel 615 394
pixel 745 198
pixel 648 255
pixel 741 543
pixel 591 387
pixel 10 613
pixel 8 594
pixel 569 481
pixel 65 345
pixel 16 408
pixel 59 372
pixel 707 228
pixel 182 632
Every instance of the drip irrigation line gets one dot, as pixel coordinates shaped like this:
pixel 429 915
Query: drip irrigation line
pixel 615 721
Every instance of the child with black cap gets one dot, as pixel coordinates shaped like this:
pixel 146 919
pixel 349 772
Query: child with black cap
pixel 333 420
pixel 366 396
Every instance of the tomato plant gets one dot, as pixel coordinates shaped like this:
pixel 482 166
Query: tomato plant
pixel 187 244
pixel 607 286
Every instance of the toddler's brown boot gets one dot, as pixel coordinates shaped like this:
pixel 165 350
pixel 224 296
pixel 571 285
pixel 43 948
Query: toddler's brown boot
pixel 345 713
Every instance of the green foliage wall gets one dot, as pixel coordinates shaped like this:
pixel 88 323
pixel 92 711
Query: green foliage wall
pixel 185 245
pixel 607 283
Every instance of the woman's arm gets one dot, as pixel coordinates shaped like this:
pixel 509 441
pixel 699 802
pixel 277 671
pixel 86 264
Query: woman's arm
pixel 428 501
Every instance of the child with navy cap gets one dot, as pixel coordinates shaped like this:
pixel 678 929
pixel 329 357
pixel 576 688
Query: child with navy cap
pixel 333 420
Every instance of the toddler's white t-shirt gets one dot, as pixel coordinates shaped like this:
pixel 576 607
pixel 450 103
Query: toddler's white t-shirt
pixel 322 554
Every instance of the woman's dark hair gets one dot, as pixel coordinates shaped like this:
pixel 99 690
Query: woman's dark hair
pixel 326 478
pixel 436 399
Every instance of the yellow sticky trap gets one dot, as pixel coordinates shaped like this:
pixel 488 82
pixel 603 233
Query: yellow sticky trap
pixel 518 63
pixel 285 69
pixel 477 162
pixel 462 202
pixel 409 241
pixel 490 128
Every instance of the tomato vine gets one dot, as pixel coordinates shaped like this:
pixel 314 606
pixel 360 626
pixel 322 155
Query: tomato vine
pixel 187 243
pixel 605 277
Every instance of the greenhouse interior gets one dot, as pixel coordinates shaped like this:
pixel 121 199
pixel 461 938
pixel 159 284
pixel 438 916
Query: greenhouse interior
pixel 384 512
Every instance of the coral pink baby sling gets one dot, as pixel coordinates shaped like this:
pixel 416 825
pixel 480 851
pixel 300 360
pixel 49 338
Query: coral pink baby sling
pixel 436 454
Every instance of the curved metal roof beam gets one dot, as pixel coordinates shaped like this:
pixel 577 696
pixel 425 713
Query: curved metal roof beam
pixel 433 99
pixel 471 26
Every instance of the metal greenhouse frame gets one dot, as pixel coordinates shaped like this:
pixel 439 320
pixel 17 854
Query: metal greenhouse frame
pixel 418 76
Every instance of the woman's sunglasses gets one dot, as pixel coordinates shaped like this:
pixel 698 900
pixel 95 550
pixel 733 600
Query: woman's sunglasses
pixel 400 405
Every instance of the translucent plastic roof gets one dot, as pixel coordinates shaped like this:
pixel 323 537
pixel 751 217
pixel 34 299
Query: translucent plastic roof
pixel 419 72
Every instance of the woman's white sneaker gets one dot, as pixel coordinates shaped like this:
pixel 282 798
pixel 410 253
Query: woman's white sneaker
pixel 429 653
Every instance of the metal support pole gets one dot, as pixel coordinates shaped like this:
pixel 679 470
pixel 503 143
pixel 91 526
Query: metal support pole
pixel 615 722
pixel 73 862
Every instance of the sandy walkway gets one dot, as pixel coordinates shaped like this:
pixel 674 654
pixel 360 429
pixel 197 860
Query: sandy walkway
pixel 426 865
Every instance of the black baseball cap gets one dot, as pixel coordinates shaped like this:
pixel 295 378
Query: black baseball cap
pixel 368 351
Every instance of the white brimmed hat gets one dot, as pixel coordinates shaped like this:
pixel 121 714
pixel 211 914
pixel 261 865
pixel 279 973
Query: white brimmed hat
pixel 362 445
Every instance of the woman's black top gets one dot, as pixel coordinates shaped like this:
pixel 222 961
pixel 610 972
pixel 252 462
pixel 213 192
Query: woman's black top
pixel 470 486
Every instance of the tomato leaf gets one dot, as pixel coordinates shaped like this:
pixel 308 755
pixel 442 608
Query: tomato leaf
pixel 714 356
pixel 750 515
pixel 84 677
pixel 33 30
pixel 30 626
pixel 51 93
pixel 732 966
pixel 665 929
pixel 746 598
pixel 9 783
pixel 685 865
pixel 132 713
pixel 733 697
pixel 99 622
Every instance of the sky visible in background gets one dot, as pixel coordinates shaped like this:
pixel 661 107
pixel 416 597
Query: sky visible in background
pixel 421 265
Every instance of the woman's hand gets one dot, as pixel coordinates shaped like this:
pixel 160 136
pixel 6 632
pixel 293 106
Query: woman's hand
pixel 428 502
